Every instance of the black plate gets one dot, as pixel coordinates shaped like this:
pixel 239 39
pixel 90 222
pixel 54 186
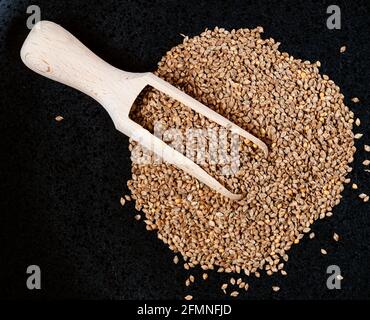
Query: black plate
pixel 61 182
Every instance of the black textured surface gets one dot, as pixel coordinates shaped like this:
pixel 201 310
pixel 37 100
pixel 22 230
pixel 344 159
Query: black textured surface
pixel 61 182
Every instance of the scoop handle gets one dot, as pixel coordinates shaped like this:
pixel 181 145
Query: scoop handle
pixel 53 52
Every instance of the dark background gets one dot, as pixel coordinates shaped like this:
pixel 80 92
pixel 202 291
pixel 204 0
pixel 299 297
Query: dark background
pixel 61 181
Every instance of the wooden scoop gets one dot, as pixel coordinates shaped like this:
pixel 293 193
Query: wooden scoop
pixel 54 53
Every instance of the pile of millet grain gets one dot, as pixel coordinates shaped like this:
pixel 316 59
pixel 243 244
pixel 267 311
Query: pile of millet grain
pixel 285 102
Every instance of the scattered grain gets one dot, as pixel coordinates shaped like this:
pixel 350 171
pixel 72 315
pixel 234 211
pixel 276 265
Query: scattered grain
pixel 336 236
pixel 234 294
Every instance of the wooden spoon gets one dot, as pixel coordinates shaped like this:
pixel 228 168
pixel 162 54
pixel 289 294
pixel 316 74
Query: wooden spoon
pixel 54 53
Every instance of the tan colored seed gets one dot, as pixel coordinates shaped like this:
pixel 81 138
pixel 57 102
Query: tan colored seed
pixel 367 148
pixel 175 259
pixel 234 294
pixel 336 236
pixel 59 118
pixel 354 186
pixel 366 162
pixel 224 286
pixel 323 251
pixel 188 297
pixel 312 235
pixel 362 195
pixel 205 276
pixel 232 281
pixel 137 217
pixel 122 201
pixel 283 272
pixel 275 288
pixel 191 278
pixel 342 49
pixel 358 122
pixel 355 100
pixel 366 199
pixel 339 277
